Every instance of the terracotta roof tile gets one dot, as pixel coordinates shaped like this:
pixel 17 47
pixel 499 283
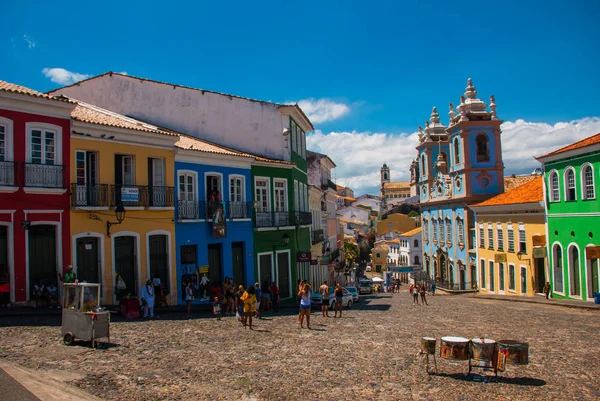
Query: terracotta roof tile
pixel 396 185
pixel 592 140
pixel 516 180
pixel 88 113
pixel 412 232
pixel 13 88
pixel 529 192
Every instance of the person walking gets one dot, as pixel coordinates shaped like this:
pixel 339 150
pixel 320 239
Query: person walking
pixel 188 298
pixel 257 294
pixel 547 290
pixel 305 305
pixel 249 301
pixel 423 293
pixel 148 298
pixel 324 291
pixel 415 293
pixel 339 298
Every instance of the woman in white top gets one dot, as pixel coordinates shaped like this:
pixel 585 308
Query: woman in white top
pixel 305 305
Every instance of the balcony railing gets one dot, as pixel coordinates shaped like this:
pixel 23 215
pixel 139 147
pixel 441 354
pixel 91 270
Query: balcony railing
pixel 193 210
pixel 7 174
pixel 239 210
pixel 281 219
pixel 129 195
pixel 161 196
pixel 302 218
pixel 90 195
pixel 317 236
pixel 43 175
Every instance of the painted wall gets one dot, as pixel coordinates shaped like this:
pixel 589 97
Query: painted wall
pixel 359 214
pixel 39 207
pixel 396 222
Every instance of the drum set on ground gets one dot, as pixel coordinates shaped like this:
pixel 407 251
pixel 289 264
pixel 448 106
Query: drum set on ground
pixel 482 353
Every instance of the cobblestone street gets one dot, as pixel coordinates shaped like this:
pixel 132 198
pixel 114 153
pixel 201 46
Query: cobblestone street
pixel 370 353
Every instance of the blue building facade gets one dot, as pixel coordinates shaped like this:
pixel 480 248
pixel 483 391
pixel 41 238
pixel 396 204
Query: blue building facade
pixel 457 166
pixel 213 223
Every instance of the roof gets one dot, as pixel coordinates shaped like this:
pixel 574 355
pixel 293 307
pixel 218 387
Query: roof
pixel 360 223
pixel 592 140
pixel 345 197
pixel 530 192
pixel 13 88
pixel 88 113
pixel 516 180
pixel 397 185
pixel 412 232
pixel 278 105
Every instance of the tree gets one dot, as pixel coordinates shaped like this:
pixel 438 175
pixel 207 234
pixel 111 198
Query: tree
pixel 413 214
pixel 351 253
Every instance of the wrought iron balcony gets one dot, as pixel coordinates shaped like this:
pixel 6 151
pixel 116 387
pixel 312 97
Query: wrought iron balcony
pixel 7 174
pixel 239 210
pixel 281 219
pixel 89 195
pixel 317 236
pixel 189 210
pixel 194 210
pixel 44 175
pixel 302 218
pixel 161 196
pixel 129 195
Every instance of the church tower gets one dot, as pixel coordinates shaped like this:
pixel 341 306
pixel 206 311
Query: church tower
pixel 384 177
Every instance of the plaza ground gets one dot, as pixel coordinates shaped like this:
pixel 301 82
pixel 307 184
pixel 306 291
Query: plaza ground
pixel 370 353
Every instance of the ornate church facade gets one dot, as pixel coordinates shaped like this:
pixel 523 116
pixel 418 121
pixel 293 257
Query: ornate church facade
pixel 457 165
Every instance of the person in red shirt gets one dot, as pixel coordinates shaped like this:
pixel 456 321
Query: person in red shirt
pixel 275 295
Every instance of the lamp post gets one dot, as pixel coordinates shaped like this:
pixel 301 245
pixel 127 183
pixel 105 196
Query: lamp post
pixel 119 214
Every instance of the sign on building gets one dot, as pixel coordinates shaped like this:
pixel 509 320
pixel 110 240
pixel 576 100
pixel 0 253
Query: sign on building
pixel 130 194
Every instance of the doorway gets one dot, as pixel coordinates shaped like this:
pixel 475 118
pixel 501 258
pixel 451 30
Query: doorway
pixel 87 190
pixel 215 263
pixel 237 260
pixel 42 254
pixel 157 181
pixel 265 269
pixel 462 279
pixel 87 259
pixel 592 277
pixel 284 275
pixel 159 258
pixel 4 272
pixel 540 275
pixel 126 262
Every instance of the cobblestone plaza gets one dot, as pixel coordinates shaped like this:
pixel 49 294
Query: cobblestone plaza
pixel 370 353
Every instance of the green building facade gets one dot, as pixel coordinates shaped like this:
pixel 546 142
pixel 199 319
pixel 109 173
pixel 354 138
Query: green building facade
pixel 571 191
pixel 282 219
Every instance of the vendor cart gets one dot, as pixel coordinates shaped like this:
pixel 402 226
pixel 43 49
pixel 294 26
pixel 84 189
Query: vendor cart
pixel 82 316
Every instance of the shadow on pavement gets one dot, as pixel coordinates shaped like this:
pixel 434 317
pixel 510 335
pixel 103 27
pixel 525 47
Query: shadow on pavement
pixel 517 381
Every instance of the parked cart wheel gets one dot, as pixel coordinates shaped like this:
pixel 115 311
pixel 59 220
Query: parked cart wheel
pixel 68 339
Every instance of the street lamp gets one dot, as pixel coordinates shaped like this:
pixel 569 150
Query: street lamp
pixel 119 214
pixel 286 238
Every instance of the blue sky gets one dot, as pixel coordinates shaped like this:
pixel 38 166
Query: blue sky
pixel 376 67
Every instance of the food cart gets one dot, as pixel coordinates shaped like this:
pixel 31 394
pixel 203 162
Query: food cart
pixel 82 316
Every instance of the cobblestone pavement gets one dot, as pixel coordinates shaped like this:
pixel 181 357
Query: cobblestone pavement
pixel 370 353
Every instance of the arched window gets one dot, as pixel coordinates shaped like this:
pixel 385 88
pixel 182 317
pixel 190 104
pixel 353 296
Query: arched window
pixel 416 243
pixel 570 184
pixel 483 148
pixel 574 277
pixel 425 230
pixel 587 182
pixel 423 169
pixel 456 152
pixel 554 188
pixel 385 176
pixel 460 227
pixel 417 260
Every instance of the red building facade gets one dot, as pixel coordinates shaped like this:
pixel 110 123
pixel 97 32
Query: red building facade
pixel 34 198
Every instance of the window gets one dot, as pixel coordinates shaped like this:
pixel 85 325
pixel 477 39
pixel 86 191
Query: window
pixel 296 195
pixel 523 280
pixel 280 195
pixel 511 277
pixel 557 268
pixel 501 277
pixel 574 273
pixel 293 130
pixel 187 207
pixel 482 273
pixel 213 187
pixel 43 147
pixel 261 194
pixel 570 184
pixel 554 187
pixel 416 243
pixel 442 230
pixel 587 175
pixel 460 227
pixel 511 238
pixel 6 141
pixel 492 274
pixel 236 189
pixel 456 152
pixel 481 237
pixel 490 233
pixel 483 148
pixel 378 255
pixel 449 232
pixel 425 230
pixel 423 169
pixel 522 239
pixel 500 234
pixel 434 229
pixel 187 186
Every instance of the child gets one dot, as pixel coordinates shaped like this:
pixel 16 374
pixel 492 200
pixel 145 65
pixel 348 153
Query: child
pixel 217 308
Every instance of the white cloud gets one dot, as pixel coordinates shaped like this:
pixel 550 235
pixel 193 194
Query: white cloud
pixel 30 41
pixel 122 72
pixel 62 76
pixel 321 110
pixel 360 155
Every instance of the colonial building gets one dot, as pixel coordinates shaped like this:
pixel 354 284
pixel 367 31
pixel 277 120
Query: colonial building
pixel 35 241
pixel 458 165
pixel 511 237
pixel 392 193
pixel 572 209
pixel 398 222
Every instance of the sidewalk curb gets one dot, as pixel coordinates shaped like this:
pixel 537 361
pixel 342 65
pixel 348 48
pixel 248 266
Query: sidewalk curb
pixel 574 305
pixel 43 387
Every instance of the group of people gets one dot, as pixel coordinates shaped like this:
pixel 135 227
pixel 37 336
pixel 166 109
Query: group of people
pixel 304 298
pixel 417 290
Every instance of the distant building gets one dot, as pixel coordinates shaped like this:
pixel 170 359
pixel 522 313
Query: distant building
pixel 392 192
pixel 396 222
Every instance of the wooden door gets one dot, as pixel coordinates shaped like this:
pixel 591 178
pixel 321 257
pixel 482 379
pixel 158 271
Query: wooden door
pixel 42 254
pixel 540 275
pixel 265 266
pixel 87 260
pixel 214 263
pixel 237 260
pixel 159 258
pixel 126 262
pixel 283 275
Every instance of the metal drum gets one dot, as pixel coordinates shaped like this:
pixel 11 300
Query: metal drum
pixel 512 352
pixel 454 348
pixel 428 345
pixel 483 349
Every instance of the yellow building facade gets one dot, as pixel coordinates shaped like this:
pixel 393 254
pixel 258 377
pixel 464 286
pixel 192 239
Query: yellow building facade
pixel 120 163
pixel 379 256
pixel 510 239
